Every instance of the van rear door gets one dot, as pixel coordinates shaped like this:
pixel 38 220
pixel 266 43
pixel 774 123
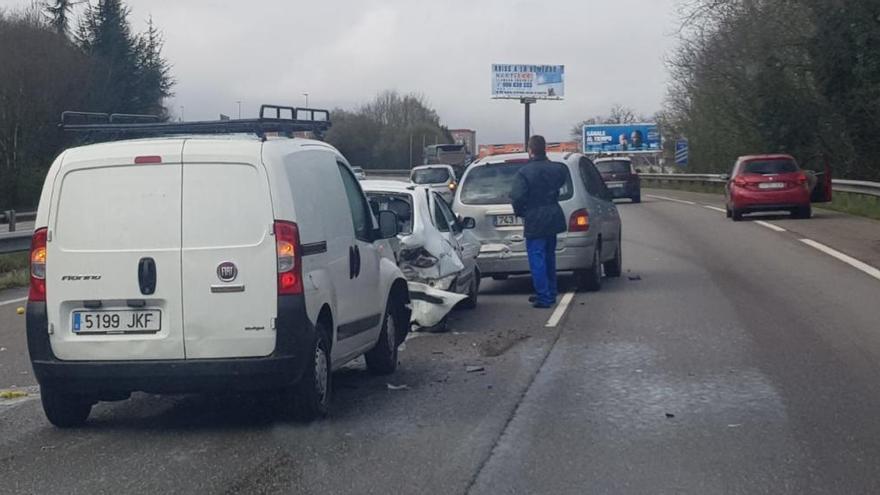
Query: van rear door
pixel 113 256
pixel 229 262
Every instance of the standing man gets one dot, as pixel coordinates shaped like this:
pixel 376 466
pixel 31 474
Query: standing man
pixel 535 198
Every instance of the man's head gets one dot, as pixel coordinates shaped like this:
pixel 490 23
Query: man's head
pixel 637 138
pixel 537 147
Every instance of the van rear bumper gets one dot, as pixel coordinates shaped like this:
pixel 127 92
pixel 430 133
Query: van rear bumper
pixel 284 367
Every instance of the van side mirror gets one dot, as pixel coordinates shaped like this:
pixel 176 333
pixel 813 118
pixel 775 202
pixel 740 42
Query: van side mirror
pixel 468 223
pixel 388 226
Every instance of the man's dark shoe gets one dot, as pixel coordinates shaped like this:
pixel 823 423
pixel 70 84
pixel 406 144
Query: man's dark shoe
pixel 539 305
pixel 533 299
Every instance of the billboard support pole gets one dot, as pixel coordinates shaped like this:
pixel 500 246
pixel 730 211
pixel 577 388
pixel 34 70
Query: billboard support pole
pixel 528 104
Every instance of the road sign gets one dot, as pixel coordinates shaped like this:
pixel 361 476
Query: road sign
pixel 681 152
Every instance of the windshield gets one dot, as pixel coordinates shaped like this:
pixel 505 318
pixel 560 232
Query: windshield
pixel 770 167
pixel 491 184
pixel 616 167
pixel 430 175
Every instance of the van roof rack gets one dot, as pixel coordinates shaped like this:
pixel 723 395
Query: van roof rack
pixel 273 119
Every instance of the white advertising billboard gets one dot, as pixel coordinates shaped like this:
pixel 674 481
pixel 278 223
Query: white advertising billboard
pixel 541 82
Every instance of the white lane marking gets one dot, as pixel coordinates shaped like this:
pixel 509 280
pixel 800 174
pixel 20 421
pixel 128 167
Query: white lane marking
pixel 664 198
pixel 13 301
pixel 715 208
pixel 849 260
pixel 774 228
pixel 560 310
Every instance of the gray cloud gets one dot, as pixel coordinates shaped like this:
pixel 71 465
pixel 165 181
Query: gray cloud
pixel 344 52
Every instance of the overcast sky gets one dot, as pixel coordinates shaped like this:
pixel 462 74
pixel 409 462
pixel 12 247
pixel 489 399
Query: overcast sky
pixel 343 52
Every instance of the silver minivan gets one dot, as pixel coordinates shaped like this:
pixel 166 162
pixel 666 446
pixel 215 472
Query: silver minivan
pixel 593 239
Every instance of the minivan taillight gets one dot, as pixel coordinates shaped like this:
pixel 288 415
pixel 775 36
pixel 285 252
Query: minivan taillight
pixel 287 250
pixel 579 222
pixel 37 291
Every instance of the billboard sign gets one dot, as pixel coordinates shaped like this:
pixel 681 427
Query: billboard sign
pixel 541 82
pixel 622 138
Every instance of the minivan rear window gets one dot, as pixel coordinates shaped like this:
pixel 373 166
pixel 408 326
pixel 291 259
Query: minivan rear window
pixel 770 167
pixel 430 175
pixel 614 167
pixel 491 184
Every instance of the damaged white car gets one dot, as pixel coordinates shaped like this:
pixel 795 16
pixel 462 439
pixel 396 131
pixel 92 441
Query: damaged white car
pixel 435 249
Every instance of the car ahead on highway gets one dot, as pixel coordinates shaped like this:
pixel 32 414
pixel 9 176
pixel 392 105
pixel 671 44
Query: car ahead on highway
pixel 620 177
pixel 593 239
pixel 204 263
pixel 440 178
pixel 359 173
pixel 760 183
pixel 435 247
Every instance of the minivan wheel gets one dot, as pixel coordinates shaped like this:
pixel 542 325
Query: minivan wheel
pixel 382 359
pixel 591 279
pixel 64 410
pixel 614 268
pixel 311 395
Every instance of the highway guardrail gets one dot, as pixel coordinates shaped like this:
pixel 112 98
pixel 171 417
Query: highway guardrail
pixel 842 185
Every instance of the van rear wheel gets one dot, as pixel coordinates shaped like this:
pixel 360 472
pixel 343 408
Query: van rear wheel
pixel 382 359
pixel 311 395
pixel 64 410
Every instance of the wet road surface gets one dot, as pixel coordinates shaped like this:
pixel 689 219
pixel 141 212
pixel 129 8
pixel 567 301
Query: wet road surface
pixel 730 358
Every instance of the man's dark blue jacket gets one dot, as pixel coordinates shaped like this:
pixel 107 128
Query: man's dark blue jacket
pixel 535 197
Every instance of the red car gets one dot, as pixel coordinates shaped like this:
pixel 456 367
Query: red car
pixel 774 183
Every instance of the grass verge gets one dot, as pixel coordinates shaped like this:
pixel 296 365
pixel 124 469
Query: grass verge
pixel 13 270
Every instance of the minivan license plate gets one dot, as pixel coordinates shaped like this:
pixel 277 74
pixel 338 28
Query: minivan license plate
pixel 121 321
pixel 508 221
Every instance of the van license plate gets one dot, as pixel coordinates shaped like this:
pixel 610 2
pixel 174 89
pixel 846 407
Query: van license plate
pixel 508 221
pixel 121 321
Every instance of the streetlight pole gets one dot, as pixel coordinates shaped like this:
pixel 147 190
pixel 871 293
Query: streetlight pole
pixel 307 99
pixel 239 108
pixel 182 115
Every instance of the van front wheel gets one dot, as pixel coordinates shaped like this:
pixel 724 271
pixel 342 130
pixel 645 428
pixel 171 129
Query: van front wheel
pixel 64 410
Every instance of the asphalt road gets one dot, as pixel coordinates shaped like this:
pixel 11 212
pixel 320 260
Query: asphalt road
pixel 730 358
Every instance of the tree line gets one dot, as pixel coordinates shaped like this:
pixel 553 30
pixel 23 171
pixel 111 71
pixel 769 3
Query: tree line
pixel 60 56
pixel 791 76
pixel 390 132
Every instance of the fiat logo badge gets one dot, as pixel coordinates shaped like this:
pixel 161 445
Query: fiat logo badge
pixel 227 271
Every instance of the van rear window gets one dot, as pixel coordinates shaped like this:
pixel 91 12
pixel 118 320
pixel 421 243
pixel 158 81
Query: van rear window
pixel 115 208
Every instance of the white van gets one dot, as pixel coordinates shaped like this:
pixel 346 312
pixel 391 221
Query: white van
pixel 208 262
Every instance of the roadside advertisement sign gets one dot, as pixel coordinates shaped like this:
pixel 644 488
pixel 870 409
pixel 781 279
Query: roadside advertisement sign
pixel 622 138
pixel 541 82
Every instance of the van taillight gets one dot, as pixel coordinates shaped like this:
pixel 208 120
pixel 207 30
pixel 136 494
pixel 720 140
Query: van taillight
pixel 287 249
pixel 579 222
pixel 37 291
